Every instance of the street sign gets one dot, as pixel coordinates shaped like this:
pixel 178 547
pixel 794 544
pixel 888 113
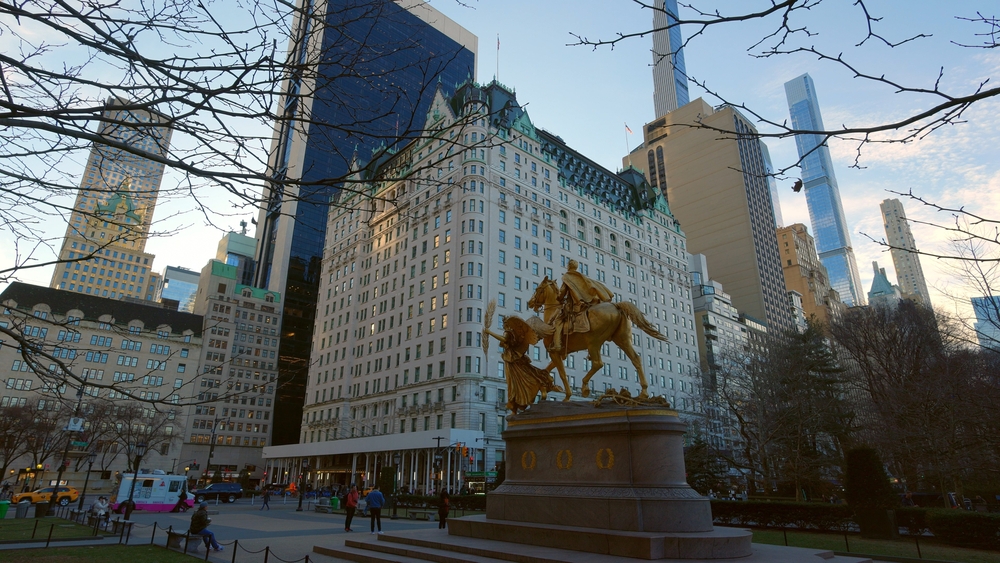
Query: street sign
pixel 78 444
pixel 480 473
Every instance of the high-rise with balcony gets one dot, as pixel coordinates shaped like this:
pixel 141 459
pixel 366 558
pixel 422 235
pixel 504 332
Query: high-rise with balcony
pixel 670 81
pixel 902 247
pixel 826 213
pixel 103 252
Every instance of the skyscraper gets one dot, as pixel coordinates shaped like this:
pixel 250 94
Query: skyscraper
pixel 376 64
pixel 670 83
pixel 909 274
pixel 114 208
pixel 717 189
pixel 180 285
pixel 805 273
pixel 833 238
pixel 987 324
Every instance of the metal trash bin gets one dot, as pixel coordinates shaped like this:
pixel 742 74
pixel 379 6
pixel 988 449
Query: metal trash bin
pixel 41 509
pixel 21 509
pixel 335 503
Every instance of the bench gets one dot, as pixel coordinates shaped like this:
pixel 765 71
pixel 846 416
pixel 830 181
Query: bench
pixel 174 540
pixel 121 526
pixel 326 508
pixel 424 514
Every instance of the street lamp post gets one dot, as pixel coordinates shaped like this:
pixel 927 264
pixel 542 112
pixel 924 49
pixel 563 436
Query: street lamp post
pixel 395 484
pixel 90 467
pixel 302 484
pixel 140 450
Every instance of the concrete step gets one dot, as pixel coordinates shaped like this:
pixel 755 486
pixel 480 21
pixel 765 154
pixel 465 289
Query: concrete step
pixel 493 551
pixel 362 555
pixel 421 552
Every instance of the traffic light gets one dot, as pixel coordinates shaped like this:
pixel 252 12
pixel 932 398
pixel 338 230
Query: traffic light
pixel 458 448
pixel 465 452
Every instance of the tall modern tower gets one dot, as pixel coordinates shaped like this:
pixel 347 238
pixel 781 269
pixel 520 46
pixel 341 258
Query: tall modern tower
pixel 909 274
pixel 716 186
pixel 833 238
pixel 670 83
pixel 104 247
pixel 375 67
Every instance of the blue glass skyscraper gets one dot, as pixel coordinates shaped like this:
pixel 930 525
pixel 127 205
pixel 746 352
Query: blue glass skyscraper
pixel 670 82
pixel 368 71
pixel 833 239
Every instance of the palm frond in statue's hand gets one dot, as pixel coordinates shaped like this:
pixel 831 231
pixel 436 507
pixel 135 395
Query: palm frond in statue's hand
pixel 487 322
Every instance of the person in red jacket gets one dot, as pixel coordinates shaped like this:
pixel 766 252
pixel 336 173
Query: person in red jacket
pixel 351 504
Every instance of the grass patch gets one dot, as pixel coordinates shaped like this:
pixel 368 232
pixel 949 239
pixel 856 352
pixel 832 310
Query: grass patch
pixel 96 554
pixel 21 529
pixel 904 547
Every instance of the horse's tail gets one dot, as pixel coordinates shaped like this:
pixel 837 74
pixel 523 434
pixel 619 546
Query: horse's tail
pixel 633 314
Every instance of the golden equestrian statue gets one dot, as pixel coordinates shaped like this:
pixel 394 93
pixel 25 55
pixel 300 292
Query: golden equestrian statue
pixel 584 319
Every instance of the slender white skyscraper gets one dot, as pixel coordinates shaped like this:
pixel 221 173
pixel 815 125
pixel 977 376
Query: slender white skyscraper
pixel 833 238
pixel 909 274
pixel 670 83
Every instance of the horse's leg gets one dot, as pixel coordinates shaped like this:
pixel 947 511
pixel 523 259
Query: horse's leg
pixel 596 363
pixel 637 362
pixel 557 359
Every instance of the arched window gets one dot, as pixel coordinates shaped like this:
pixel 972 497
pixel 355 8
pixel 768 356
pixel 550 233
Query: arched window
pixel 247 293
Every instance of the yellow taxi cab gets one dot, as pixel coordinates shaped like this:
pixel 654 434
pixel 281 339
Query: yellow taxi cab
pixel 66 495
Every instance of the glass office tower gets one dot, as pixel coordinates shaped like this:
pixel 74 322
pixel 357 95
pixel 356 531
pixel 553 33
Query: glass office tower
pixel 377 65
pixel 833 239
pixel 670 83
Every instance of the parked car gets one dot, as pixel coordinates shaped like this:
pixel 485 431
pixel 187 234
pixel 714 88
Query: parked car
pixel 227 492
pixel 66 495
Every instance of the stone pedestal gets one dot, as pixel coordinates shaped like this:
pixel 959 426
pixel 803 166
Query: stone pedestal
pixel 609 471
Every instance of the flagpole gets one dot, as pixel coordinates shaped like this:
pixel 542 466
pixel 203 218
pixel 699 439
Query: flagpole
pixel 498 59
pixel 628 152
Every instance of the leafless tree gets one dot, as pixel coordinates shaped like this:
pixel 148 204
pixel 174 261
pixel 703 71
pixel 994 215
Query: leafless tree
pixel 15 426
pixel 790 413
pixel 790 28
pixel 919 392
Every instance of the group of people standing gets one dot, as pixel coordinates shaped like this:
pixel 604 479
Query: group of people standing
pixel 375 500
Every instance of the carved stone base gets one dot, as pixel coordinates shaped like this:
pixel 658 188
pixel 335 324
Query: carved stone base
pixel 608 468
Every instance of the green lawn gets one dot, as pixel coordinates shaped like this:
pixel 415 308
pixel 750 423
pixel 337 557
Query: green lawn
pixel 21 529
pixel 96 554
pixel 904 547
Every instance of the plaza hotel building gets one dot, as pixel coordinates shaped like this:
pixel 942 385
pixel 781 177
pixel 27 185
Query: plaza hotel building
pixel 481 207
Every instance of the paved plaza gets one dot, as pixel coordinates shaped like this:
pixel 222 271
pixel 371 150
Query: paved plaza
pixel 290 535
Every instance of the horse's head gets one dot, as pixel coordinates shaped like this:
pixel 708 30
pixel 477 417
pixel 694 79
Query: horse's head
pixel 545 293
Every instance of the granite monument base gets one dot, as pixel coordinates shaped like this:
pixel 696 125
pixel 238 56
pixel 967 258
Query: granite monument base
pixel 606 479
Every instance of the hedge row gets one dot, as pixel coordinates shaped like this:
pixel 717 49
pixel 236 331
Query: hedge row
pixel 458 502
pixel 801 515
pixel 956 527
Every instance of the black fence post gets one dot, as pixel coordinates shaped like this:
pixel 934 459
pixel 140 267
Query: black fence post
pixel 49 539
pixel 847 543
pixel 33 530
pixel 917 540
pixel 236 546
pixel 153 535
pixel 785 533
pixel 267 552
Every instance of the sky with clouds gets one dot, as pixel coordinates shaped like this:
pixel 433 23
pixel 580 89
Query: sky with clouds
pixel 587 95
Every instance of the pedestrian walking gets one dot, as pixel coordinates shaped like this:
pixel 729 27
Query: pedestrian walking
pixel 444 506
pixel 375 502
pixel 351 505
pixel 265 499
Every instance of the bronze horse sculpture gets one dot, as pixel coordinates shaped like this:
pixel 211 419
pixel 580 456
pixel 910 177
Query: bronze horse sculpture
pixel 608 322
